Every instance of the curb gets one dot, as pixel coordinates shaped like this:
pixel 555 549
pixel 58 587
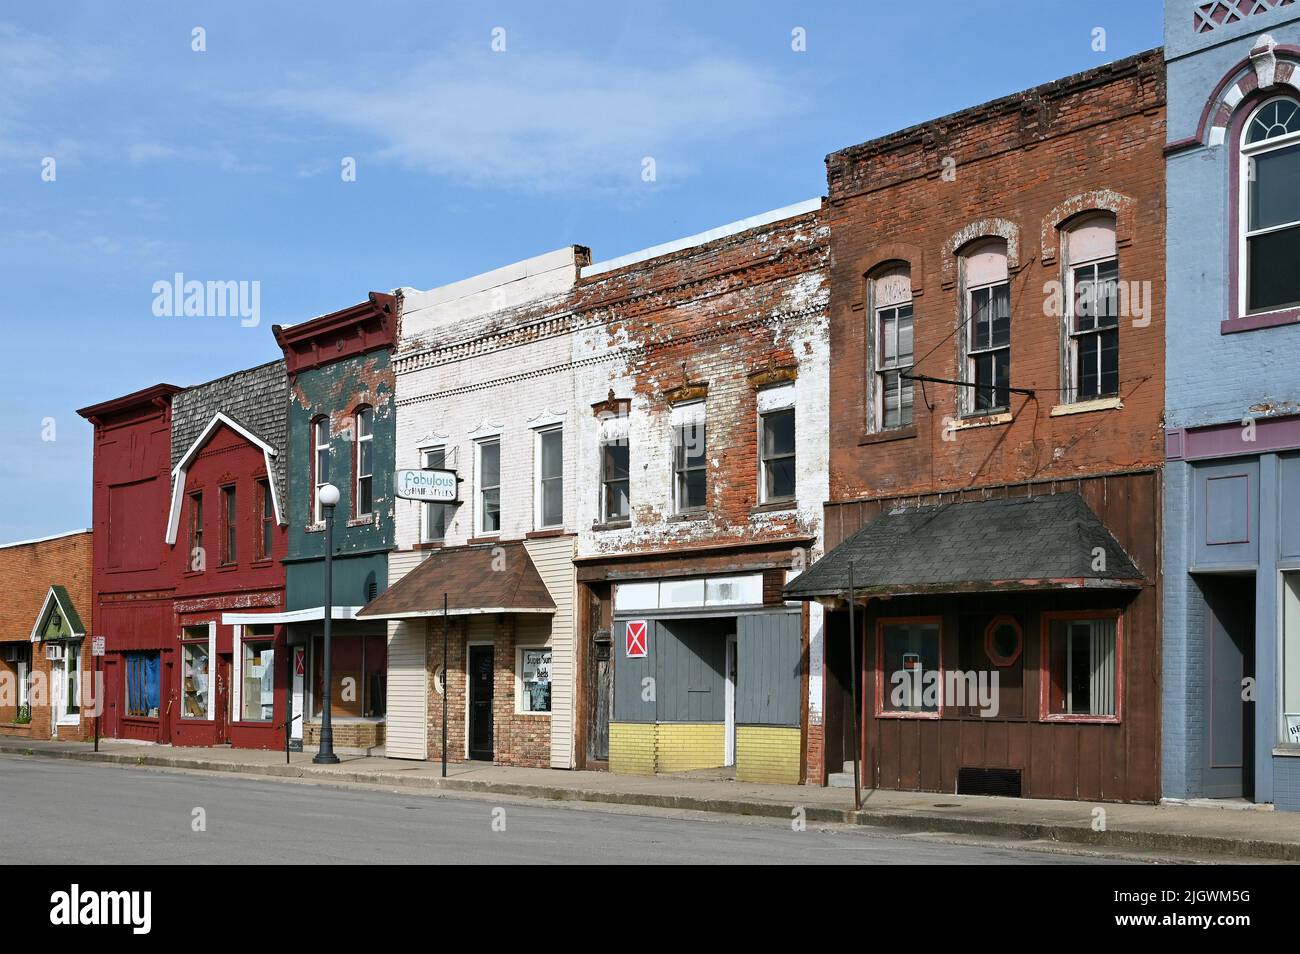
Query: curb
pixel 911 821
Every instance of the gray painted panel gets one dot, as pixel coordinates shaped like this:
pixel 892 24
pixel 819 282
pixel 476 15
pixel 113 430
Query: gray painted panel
pixel 768 684
pixel 628 676
pixel 690 684
pixel 1289 532
pixel 1225 514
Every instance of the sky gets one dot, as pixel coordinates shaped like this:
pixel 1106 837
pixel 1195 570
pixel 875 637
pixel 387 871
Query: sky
pixel 329 149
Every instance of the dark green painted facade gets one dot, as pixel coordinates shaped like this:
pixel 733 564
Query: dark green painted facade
pixel 337 390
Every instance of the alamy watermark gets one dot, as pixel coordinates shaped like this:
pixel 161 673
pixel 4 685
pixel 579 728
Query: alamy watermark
pixel 181 298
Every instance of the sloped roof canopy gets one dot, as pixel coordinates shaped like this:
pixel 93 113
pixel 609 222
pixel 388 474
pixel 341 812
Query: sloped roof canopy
pixel 982 546
pixel 492 578
pixel 71 625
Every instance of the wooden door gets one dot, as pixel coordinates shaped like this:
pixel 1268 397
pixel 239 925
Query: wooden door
pixel 482 664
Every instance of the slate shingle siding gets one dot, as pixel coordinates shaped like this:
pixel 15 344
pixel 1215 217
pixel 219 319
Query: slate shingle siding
pixel 257 398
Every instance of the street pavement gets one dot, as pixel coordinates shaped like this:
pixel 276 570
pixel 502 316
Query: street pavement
pixel 87 813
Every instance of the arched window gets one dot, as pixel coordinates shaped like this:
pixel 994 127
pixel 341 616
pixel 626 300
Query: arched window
pixel 1092 308
pixel 891 346
pixel 1269 243
pixel 320 435
pixel 363 463
pixel 987 319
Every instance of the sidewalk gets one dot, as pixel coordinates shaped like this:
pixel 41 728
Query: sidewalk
pixel 1181 829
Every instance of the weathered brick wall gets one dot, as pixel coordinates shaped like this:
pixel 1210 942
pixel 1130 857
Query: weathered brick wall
pixel 1017 167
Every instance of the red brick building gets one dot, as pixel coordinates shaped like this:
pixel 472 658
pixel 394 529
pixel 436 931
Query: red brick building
pixel 134 573
pixel 47 687
pixel 997 336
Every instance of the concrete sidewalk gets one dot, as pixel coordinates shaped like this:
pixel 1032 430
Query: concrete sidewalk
pixel 1179 829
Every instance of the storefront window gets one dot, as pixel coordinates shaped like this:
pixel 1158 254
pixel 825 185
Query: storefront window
pixel 142 685
pixel 72 673
pixel 359 668
pixel 535 676
pixel 1291 659
pixel 911 668
pixel 195 675
pixel 257 675
pixel 1082 661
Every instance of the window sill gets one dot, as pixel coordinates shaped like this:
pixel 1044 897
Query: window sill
pixel 521 712
pixel 775 506
pixel 546 533
pixel 909 715
pixel 1267 319
pixel 1083 407
pixel 227 567
pixel 428 545
pixel 1084 720
pixel 612 525
pixel 1287 750
pixel 362 521
pixel 314 528
pixel 691 516
pixel 489 538
pixel 987 420
pixel 265 561
pixel 893 434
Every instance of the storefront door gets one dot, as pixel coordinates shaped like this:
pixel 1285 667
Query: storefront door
pixel 58 695
pixel 221 711
pixel 481 691
pixel 1230 659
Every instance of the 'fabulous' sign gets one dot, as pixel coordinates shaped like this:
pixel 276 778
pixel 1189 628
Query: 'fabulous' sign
pixel 428 484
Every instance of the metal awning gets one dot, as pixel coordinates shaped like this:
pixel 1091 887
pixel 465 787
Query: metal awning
pixel 488 578
pixel 1022 543
pixel 309 615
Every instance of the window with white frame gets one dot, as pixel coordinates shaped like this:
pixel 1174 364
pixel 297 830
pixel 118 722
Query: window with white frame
pixel 488 452
pixel 1092 321
pixel 690 451
pixel 1082 678
pixel 776 444
pixel 548 475
pixel 534 678
pixel 365 490
pixel 1290 728
pixel 891 304
pixel 615 498
pixel 1270 200
pixel 988 327
pixel 321 464
pixel 433 526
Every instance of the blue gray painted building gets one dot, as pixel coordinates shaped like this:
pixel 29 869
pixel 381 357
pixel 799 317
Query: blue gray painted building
pixel 1232 532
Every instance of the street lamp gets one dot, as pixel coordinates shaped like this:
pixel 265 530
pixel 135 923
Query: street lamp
pixel 329 498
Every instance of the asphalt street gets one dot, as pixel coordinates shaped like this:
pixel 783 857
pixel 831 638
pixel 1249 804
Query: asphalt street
pixel 80 813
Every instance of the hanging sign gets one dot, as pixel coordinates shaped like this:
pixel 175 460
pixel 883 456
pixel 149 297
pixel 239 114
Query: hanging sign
pixel 429 484
pixel 635 639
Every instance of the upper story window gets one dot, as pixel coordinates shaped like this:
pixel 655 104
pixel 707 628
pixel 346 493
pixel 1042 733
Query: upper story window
pixel 265 520
pixel 776 444
pixel 548 456
pixel 690 449
pixel 320 435
pixel 365 491
pixel 433 526
pixel 891 306
pixel 489 486
pixel 615 483
pixel 229 526
pixel 198 558
pixel 987 321
pixel 1270 240
pixel 1092 303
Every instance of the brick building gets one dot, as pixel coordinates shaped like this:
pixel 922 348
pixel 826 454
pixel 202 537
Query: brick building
pixel 134 573
pixel 47 686
pixel 1232 542
pixel 996 382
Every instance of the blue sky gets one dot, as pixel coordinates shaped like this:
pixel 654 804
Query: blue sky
pixel 225 164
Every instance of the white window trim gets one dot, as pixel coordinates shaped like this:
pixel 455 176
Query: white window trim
pixel 538 434
pixel 519 679
pixel 968 400
pixel 1071 338
pixel 425 508
pixel 688 414
pixel 318 515
pixel 1244 154
pixel 479 510
pixel 881 369
pixel 367 439
pixel 63 716
pixel 772 405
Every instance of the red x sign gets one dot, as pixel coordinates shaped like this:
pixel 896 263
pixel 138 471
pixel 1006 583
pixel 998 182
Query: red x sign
pixel 635 639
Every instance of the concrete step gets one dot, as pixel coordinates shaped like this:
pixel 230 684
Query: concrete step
pixel 840 779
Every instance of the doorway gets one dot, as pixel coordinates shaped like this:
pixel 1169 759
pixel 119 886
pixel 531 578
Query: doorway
pixel 1229 715
pixel 482 665
pixel 221 711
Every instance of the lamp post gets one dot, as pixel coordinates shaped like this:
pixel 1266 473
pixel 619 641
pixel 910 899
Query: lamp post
pixel 329 498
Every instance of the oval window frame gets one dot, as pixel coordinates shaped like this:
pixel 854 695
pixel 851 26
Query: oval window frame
pixel 1003 619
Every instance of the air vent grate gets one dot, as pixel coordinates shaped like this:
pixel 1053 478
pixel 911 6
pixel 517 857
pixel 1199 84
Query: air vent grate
pixel 989 781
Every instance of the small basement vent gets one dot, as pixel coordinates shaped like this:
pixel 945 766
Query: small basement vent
pixel 988 781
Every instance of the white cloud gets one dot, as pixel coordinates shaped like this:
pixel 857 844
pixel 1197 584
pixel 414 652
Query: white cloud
pixel 553 123
pixel 142 152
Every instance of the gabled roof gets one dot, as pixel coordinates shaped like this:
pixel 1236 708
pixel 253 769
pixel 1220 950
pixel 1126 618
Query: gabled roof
pixel 487 578
pixel 220 419
pixel 1020 543
pixel 58 595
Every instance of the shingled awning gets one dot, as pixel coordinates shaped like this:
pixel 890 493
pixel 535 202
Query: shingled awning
pixel 982 546
pixel 492 578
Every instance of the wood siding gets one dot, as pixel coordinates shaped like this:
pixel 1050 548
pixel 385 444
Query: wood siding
pixel 406 732
pixel 553 558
